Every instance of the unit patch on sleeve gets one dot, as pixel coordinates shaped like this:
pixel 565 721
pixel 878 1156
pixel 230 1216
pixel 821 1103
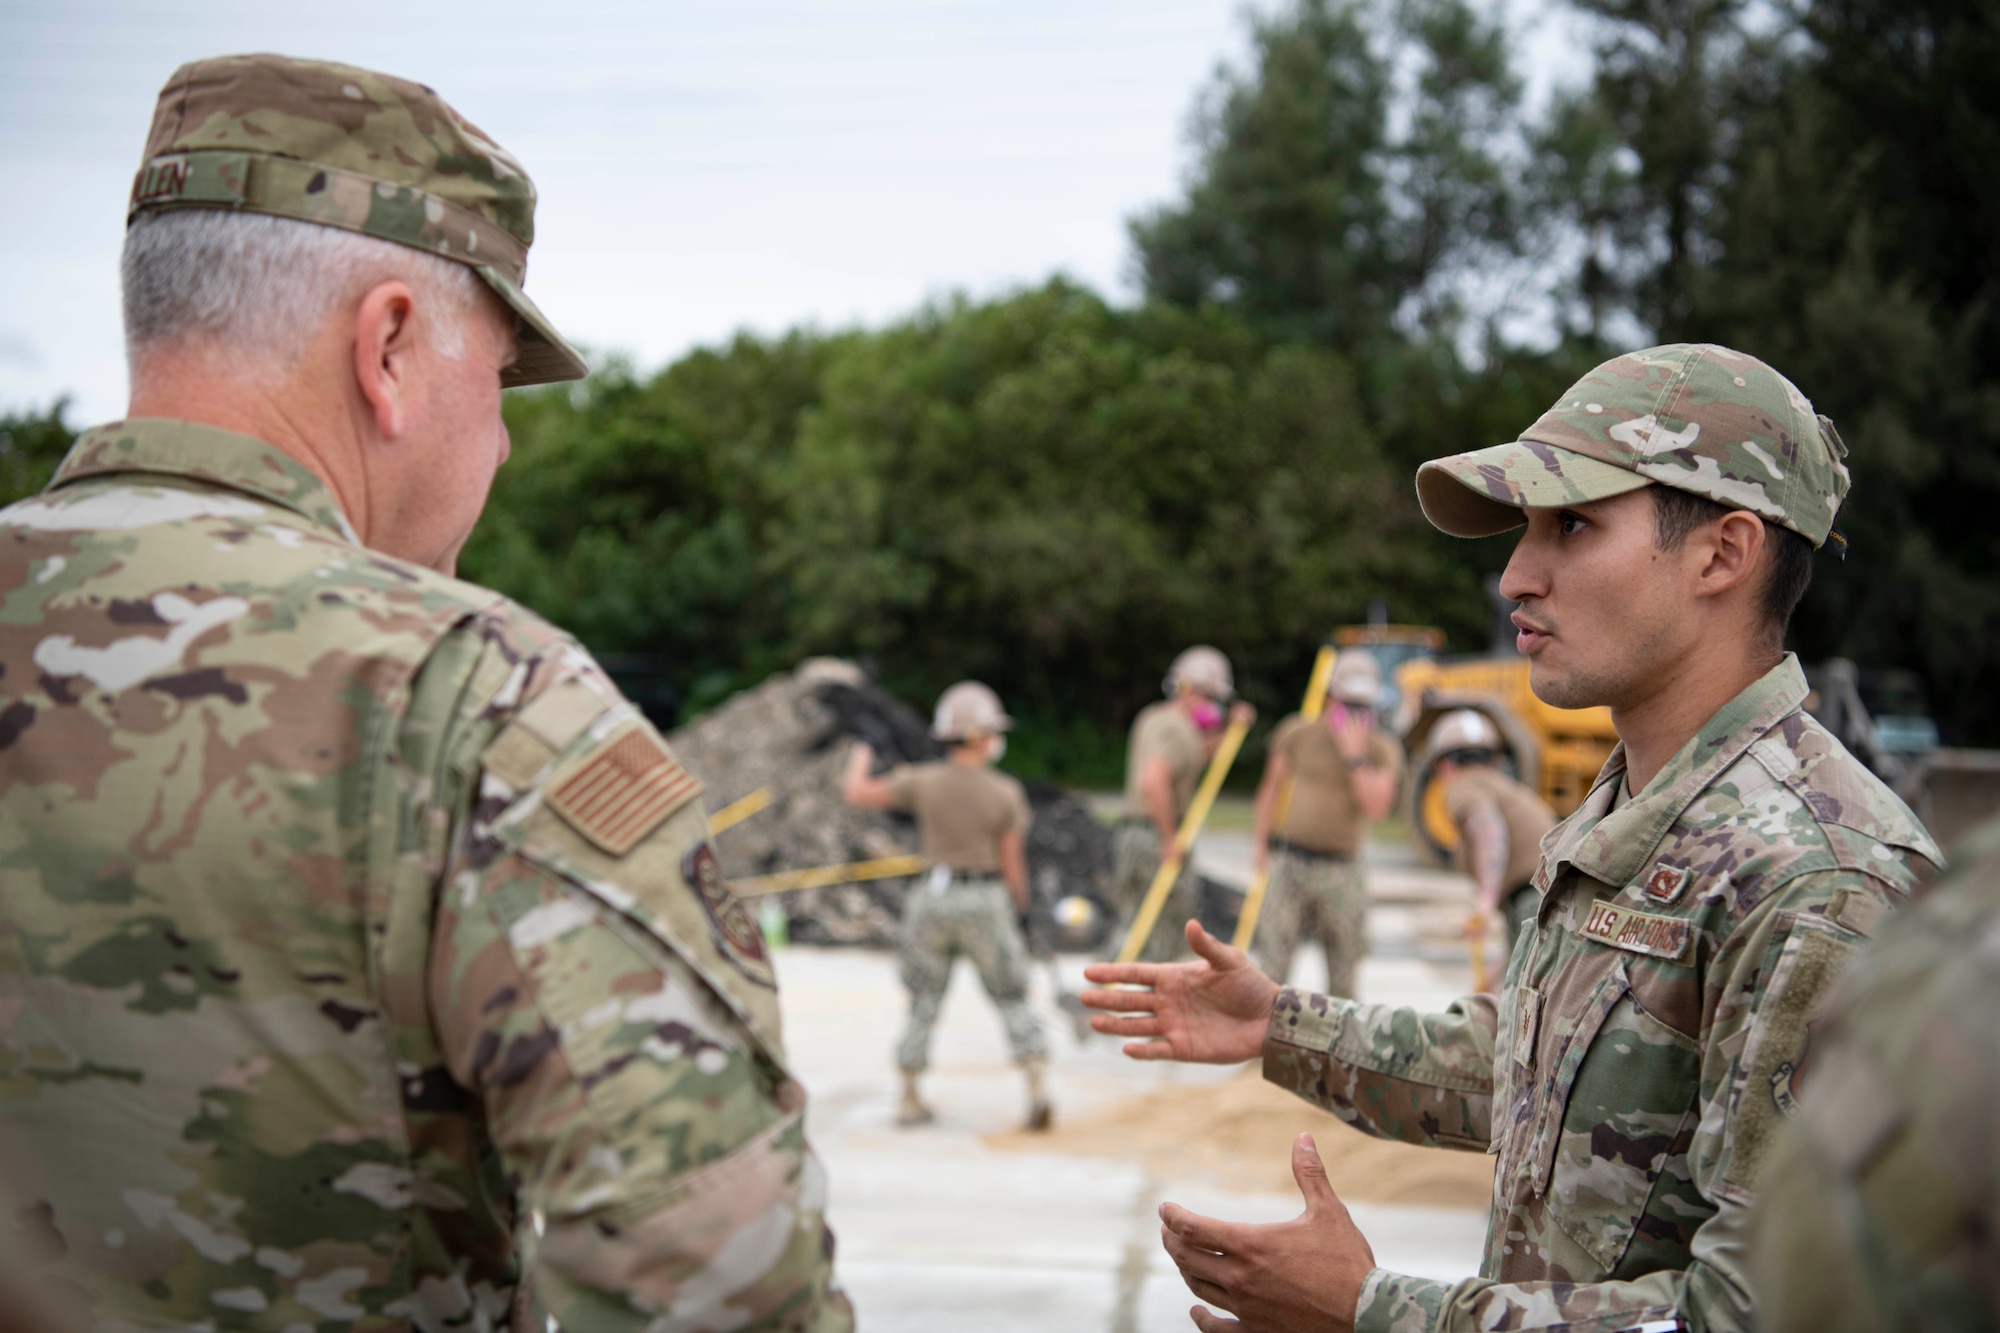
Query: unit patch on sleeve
pixel 620 791
pixel 1641 932
pixel 735 929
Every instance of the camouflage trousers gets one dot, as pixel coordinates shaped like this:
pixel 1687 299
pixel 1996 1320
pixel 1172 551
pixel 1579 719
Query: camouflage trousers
pixel 1318 896
pixel 1136 847
pixel 974 918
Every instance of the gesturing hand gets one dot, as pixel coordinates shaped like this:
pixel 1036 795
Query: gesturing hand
pixel 1351 732
pixel 1301 1276
pixel 1214 1011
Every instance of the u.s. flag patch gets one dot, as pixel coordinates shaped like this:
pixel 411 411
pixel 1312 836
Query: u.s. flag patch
pixel 621 791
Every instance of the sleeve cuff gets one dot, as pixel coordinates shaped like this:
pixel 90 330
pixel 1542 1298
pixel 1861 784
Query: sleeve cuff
pixel 1299 1043
pixel 1304 1020
pixel 1398 1303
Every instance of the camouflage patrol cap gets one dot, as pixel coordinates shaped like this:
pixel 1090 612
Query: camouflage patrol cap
pixel 1693 416
pixel 365 152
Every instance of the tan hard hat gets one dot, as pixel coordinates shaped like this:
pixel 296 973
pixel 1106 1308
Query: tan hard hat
pixel 1355 680
pixel 1204 669
pixel 1464 729
pixel 968 709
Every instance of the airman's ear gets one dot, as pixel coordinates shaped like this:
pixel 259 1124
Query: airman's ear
pixel 1731 551
pixel 384 354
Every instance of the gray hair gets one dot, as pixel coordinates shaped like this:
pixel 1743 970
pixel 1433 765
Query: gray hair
pixel 262 287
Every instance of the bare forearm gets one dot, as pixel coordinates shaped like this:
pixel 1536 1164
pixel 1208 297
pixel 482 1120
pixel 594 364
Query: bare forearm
pixel 859 787
pixel 1486 837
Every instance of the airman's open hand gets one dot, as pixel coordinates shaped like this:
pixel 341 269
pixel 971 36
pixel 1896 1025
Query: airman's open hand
pixel 1213 1011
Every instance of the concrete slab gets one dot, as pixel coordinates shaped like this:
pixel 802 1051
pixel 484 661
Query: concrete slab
pixel 937 1231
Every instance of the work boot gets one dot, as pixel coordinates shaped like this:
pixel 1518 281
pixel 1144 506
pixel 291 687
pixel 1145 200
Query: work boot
pixel 1041 1114
pixel 913 1111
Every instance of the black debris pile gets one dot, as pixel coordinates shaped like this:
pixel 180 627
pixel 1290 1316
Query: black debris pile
pixel 791 734
pixel 1069 855
pixel 867 713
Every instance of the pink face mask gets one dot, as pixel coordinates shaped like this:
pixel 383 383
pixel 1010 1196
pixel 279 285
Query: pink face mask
pixel 1207 714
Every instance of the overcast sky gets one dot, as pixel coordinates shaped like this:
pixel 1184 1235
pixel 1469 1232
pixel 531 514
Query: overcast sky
pixel 703 168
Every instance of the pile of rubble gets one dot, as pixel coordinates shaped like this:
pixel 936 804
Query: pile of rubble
pixel 791 735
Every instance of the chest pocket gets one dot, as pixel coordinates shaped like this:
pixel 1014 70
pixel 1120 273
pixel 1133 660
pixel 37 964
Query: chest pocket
pixel 1606 1108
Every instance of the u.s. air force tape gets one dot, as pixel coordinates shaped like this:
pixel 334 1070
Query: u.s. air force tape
pixel 1641 932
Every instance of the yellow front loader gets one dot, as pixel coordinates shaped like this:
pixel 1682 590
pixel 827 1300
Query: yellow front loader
pixel 1556 751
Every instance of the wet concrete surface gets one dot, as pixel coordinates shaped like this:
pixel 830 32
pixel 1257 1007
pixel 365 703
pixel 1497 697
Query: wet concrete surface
pixel 939 1230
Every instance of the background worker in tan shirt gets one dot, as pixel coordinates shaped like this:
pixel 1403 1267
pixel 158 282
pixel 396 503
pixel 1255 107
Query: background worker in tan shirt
pixel 973 823
pixel 1343 770
pixel 1500 821
pixel 1171 744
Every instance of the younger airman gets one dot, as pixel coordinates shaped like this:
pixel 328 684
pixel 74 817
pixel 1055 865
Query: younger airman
pixel 1343 770
pixel 1500 821
pixel 1172 742
pixel 973 823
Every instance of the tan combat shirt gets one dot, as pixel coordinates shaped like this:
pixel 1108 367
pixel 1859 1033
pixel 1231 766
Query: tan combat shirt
pixel 962 812
pixel 1324 815
pixel 1164 729
pixel 1649 1040
pixel 1526 815
pixel 353 921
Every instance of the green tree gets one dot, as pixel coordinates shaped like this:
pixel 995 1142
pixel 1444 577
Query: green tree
pixel 638 513
pixel 1042 491
pixel 32 443
pixel 1859 240
pixel 1350 179
pixel 1056 496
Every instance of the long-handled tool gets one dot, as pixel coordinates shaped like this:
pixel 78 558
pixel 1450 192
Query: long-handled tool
pixel 1281 803
pixel 1476 936
pixel 729 816
pixel 1191 822
pixel 854 872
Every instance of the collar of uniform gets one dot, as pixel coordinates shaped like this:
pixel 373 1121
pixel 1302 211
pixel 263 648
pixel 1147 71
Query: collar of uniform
pixel 1612 846
pixel 204 453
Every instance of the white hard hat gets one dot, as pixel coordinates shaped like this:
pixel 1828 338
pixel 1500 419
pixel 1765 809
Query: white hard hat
pixel 968 709
pixel 1464 729
pixel 1356 679
pixel 1204 669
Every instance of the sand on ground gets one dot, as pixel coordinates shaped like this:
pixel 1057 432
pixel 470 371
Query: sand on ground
pixel 1239 1133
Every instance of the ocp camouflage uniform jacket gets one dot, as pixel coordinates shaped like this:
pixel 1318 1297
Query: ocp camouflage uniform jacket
pixel 359 937
pixel 1880 1211
pixel 1646 1044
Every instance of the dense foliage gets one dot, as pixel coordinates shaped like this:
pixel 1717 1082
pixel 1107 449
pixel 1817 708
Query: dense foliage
pixel 1044 492
pixel 31 444
pixel 1380 256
